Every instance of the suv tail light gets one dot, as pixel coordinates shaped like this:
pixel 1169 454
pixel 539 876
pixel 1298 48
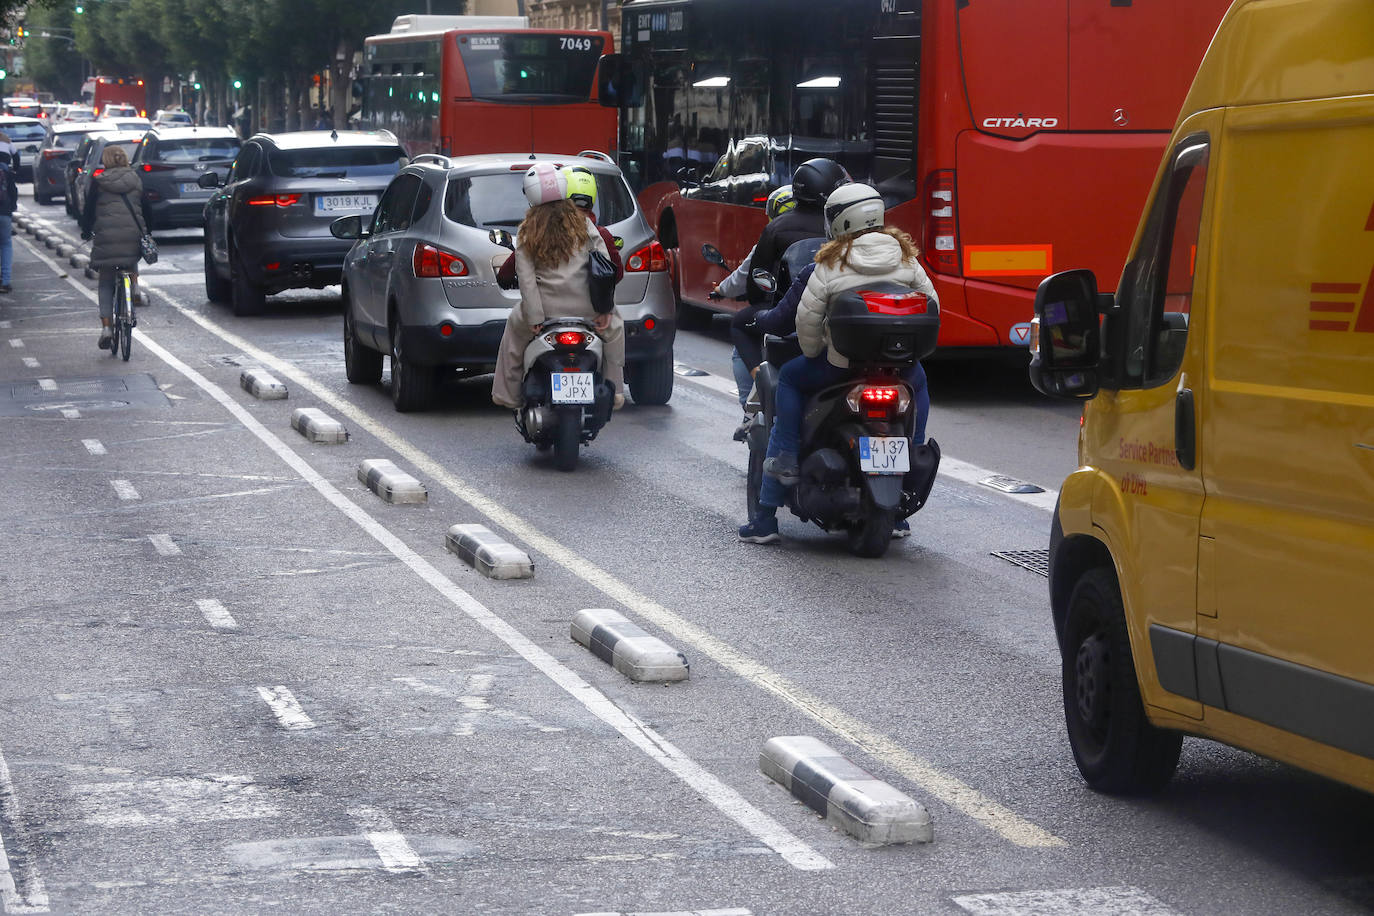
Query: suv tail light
pixel 650 258
pixel 54 153
pixel 279 200
pixel 435 262
pixel 99 171
pixel 157 167
pixel 942 227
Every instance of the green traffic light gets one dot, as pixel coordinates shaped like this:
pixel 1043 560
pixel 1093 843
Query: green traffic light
pixel 238 84
pixel 3 74
pixel 196 86
pixel 80 10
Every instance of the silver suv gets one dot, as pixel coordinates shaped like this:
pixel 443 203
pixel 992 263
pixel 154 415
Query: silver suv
pixel 420 281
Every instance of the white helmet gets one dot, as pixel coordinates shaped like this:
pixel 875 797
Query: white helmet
pixel 544 183
pixel 853 208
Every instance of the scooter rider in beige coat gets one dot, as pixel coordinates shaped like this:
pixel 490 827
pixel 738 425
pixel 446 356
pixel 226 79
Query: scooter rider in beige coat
pixel 552 247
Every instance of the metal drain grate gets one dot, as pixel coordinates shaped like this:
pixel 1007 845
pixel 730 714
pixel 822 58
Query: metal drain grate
pixel 1037 561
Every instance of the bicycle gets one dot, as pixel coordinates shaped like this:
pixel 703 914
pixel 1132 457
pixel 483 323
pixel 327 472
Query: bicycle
pixel 123 321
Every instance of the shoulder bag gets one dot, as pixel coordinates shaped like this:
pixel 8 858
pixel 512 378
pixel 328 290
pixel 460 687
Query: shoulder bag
pixel 147 248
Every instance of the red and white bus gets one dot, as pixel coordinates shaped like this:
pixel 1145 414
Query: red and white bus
pixel 1010 138
pixel 458 85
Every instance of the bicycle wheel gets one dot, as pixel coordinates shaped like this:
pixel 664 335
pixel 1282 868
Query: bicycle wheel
pixel 117 329
pixel 126 335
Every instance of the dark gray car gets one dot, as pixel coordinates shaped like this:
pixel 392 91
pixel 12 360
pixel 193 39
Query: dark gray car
pixel 170 161
pixel 50 166
pixel 267 229
pixel 27 136
pixel 125 139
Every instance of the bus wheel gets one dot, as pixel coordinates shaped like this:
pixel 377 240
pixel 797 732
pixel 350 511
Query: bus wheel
pixel 1116 748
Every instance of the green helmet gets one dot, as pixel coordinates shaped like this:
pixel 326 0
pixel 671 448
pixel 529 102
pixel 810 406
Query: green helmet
pixel 581 185
pixel 779 202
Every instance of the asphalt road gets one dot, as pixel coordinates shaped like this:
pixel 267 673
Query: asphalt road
pixel 235 680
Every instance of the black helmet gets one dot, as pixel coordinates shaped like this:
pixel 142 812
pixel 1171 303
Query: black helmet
pixel 815 179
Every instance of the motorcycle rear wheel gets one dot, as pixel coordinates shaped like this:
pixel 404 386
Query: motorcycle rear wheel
pixel 873 534
pixel 567 440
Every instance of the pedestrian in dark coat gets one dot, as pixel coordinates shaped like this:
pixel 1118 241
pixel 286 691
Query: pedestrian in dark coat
pixel 113 215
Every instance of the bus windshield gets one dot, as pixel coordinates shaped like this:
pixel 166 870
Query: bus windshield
pixel 515 67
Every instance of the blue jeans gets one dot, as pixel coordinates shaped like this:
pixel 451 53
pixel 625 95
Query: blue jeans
pixel 6 247
pixel 799 379
pixel 743 380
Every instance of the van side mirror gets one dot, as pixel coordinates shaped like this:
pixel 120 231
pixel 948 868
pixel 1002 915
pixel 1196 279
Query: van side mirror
pixel 711 255
pixel 348 227
pixel 1065 340
pixel 619 82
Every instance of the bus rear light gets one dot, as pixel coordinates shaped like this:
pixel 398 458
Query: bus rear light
pixel 435 262
pixel 275 200
pixel 942 226
pixel 651 258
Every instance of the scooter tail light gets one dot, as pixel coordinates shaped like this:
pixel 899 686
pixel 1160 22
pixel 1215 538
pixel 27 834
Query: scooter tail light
pixel 867 398
pixel 571 338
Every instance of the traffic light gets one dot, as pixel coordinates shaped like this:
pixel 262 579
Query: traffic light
pixel 238 84
pixel 195 86
pixel 80 9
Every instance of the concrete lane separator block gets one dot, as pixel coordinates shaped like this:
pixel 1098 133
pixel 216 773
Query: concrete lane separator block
pixel 628 649
pixel 487 553
pixel 260 384
pixel 390 482
pixel 847 796
pixel 317 426
pixel 79 260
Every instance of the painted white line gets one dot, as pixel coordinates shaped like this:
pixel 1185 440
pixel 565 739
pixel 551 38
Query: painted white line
pixel 30 362
pixel 732 911
pixel 952 791
pixel 391 846
pixel 17 343
pixel 71 413
pixel 286 708
pixel 47 384
pixel 216 615
pixel 725 799
pixel 33 898
pixel 164 545
pixel 707 380
pixel 93 446
pixel 1085 901
pixel 6 324
pixel 124 490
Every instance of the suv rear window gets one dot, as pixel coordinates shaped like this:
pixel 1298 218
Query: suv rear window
pixel 197 149
pixel 335 162
pixel 495 201
pixel 24 131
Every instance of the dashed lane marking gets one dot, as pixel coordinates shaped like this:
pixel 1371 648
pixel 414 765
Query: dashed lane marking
pixel 71 413
pixel 93 446
pixel 47 384
pixel 286 708
pixel 1085 901
pixel 17 343
pixel 124 490
pixel 21 886
pixel 30 362
pixel 950 790
pixel 215 614
pixel 729 911
pixel 164 545
pixel 391 846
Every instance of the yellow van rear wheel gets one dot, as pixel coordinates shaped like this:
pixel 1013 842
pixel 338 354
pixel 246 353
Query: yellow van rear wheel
pixel 1116 748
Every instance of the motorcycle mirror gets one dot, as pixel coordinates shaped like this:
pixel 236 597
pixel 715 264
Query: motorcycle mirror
pixel 502 237
pixel 712 255
pixel 764 280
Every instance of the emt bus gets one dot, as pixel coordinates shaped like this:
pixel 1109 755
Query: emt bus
pixel 457 85
pixel 1010 138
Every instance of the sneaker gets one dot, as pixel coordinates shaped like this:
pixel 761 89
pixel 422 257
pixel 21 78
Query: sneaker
pixel 901 530
pixel 105 339
pixel 784 468
pixel 742 431
pixel 760 531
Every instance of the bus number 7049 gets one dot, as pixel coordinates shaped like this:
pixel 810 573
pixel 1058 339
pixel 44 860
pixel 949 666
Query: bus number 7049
pixel 571 43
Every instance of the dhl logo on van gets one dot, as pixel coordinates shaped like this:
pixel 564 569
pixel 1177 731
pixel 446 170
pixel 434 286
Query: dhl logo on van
pixel 1333 304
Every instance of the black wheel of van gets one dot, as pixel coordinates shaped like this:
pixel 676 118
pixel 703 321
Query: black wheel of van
pixel 248 298
pixel 216 287
pixel 567 439
pixel 412 386
pixel 651 380
pixel 1116 748
pixel 362 364
pixel 873 534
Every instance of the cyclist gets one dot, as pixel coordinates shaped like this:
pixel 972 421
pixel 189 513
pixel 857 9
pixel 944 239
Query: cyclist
pixel 112 216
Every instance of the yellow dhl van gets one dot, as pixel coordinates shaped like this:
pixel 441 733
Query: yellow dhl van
pixel 1212 558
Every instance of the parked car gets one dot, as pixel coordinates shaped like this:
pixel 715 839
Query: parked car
pixel 50 165
pixel 23 107
pixel 74 113
pixel 172 117
pixel 170 160
pixel 27 136
pixel 267 228
pixel 91 166
pixel 420 281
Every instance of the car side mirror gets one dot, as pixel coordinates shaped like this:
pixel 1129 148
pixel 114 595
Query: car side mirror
pixel 764 280
pixel 1065 342
pixel 711 254
pixel 208 180
pixel 348 227
pixel 502 237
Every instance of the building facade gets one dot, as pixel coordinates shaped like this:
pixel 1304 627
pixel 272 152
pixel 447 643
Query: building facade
pixel 573 14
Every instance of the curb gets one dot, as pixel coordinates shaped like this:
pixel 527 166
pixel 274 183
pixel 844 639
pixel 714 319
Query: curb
pixel 391 483
pixel 317 426
pixel 627 648
pixel 79 260
pixel 66 250
pixel 866 808
pixel 259 384
pixel 487 553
